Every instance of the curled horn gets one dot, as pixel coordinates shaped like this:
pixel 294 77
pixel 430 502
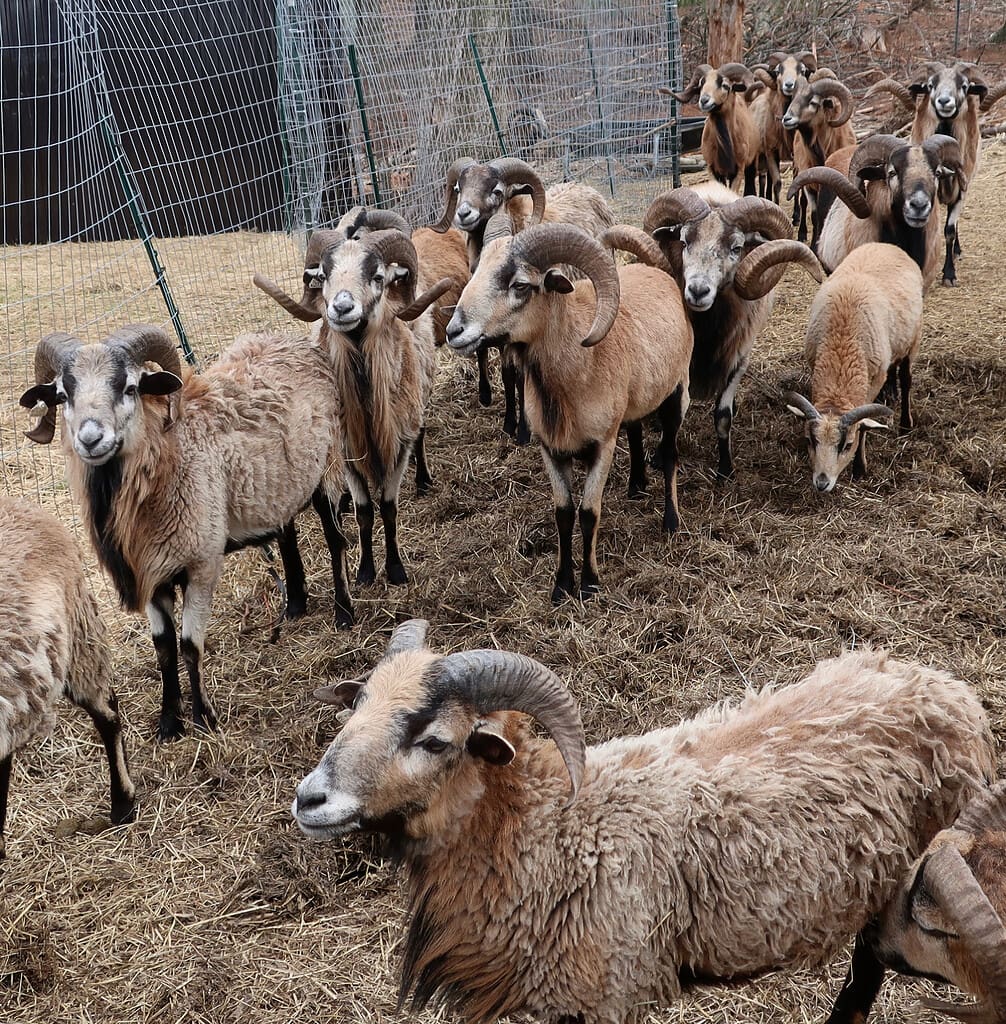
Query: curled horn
pixel 318 244
pixel 994 95
pixel 896 89
pixel 985 812
pixel 450 196
pixel 807 57
pixel 828 177
pixel 394 247
pixel 291 305
pixel 803 404
pixel 388 220
pixel 674 208
pixel 690 91
pixel 948 155
pixel 422 302
pixel 640 244
pixel 407 636
pixel 499 225
pixel 515 172
pixel 503 681
pixel 761 270
pixel 959 896
pixel 753 214
pixel 53 354
pixel 777 57
pixel 144 342
pixel 545 245
pixel 763 75
pixel 736 72
pixel 834 89
pixel 875 151
pixel 862 412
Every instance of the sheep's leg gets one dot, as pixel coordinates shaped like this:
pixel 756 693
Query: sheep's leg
pixel 860 988
pixel 723 418
pixel 336 541
pixel 889 392
pixel 859 462
pixel 801 217
pixel 485 388
pixel 590 512
pixel 950 237
pixel 523 430
pixel 749 180
pixel 671 412
pixel 197 599
pixel 637 460
pixel 293 572
pixel 104 712
pixel 560 474
pixel 389 516
pixel 423 479
pixel 367 572
pixel 161 616
pixel 508 371
pixel 5 766
pixel 775 176
pixel 905 377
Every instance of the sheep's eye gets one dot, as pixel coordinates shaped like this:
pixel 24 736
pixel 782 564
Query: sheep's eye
pixel 378 279
pixel 457 188
pixel 521 289
pixel 737 250
pixel 432 745
pixel 848 446
pixel 130 390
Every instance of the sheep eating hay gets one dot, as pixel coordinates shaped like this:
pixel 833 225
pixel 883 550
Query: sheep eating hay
pixel 747 839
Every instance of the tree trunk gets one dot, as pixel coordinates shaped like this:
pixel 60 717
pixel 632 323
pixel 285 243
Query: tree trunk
pixel 726 31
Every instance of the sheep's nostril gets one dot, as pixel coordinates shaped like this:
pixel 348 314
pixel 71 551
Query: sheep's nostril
pixel 305 801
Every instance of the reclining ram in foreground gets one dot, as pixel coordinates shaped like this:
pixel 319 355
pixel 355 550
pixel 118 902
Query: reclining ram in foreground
pixel 590 884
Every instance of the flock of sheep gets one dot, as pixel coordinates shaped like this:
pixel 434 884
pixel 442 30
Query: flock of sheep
pixel 574 883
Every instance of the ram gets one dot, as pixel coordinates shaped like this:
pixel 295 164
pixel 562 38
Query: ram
pixel 363 288
pixel 578 395
pixel 725 253
pixel 947 920
pixel 52 644
pixel 864 332
pixel 729 140
pixel 591 884
pixel 475 194
pixel 172 470
pixel 892 194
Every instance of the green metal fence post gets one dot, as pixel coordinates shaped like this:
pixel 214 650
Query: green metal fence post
pixel 488 94
pixel 355 68
pixel 674 80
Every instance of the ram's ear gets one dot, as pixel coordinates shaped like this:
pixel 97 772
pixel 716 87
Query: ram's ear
pixel 158 382
pixel 40 394
pixel 341 694
pixel 486 741
pixel 557 281
pixel 872 425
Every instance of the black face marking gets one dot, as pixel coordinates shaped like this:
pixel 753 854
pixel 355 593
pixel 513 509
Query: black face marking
pixel 504 275
pixel 69 384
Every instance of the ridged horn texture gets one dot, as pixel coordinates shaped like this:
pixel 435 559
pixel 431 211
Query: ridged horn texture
pixel 985 812
pixel 516 172
pixel 875 151
pixel 753 214
pixel 546 245
pixel 145 342
pixel 828 177
pixel 291 305
pixel 896 89
pixel 422 302
pixel 948 153
pixel 777 57
pixel 994 95
pixel 504 681
pixel 394 247
pixel 630 239
pixel 834 89
pixel 450 196
pixel 407 636
pixel 960 897
pixel 673 208
pixel 808 58
pixel 690 91
pixel 736 72
pixel 863 412
pixel 54 353
pixel 761 270
pixel 803 404
pixel 499 225
pixel 388 220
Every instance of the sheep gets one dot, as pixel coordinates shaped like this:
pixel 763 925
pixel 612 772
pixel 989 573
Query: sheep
pixel 729 142
pixel 891 194
pixel 948 918
pixel 385 371
pixel 589 884
pixel 947 101
pixel 579 395
pixel 775 143
pixel 475 193
pixel 719 246
pixel 173 470
pixel 864 331
pixel 819 132
pixel 52 644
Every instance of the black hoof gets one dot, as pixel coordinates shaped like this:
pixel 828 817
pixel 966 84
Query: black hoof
pixel 423 487
pixel 637 491
pixel 485 395
pixel 588 591
pixel 295 609
pixel 366 574
pixel 561 592
pixel 206 722
pixel 510 427
pixel 671 524
pixel 523 437
pixel 724 474
pixel 124 814
pixel 170 729
pixel 397 576
pixel 344 618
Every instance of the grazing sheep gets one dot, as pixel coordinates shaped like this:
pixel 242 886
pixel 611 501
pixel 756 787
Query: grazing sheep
pixel 590 884
pixel 52 644
pixel 171 473
pixel 947 920
pixel 719 246
pixel 891 194
pixel 385 371
pixel 819 132
pixel 865 329
pixel 578 395
pixel 729 141
pixel 477 193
